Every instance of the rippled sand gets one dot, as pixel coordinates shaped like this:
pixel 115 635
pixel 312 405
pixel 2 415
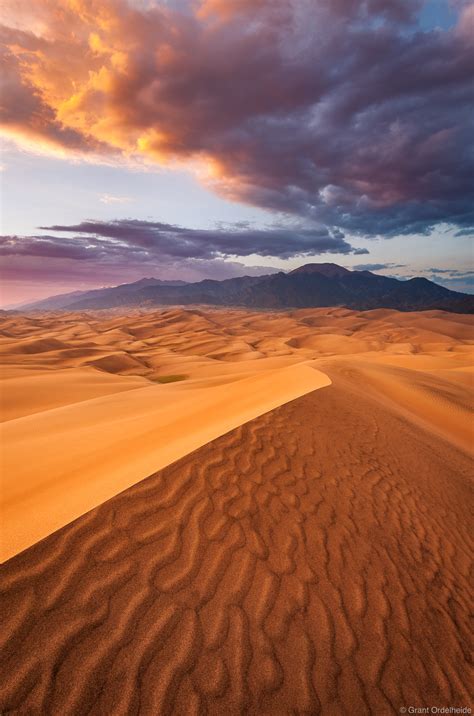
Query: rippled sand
pixel 312 559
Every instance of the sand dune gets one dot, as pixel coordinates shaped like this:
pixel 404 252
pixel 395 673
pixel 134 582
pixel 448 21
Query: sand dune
pixel 80 392
pixel 314 560
pixel 442 403
pixel 26 392
pixel 210 342
pixel 311 558
pixel 89 450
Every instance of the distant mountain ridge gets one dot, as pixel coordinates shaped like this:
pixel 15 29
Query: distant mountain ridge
pixel 62 301
pixel 309 286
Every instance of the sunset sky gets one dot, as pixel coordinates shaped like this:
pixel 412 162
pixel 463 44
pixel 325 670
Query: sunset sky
pixel 212 138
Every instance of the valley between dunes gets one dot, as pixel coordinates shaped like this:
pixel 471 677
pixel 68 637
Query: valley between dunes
pixel 226 511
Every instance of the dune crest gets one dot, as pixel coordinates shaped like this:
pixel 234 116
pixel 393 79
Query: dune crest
pixel 87 451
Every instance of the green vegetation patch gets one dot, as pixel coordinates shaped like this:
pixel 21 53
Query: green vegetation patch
pixel 168 378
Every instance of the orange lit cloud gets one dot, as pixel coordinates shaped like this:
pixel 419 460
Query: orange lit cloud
pixel 336 110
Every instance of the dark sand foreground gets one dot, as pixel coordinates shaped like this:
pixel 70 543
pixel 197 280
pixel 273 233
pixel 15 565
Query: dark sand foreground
pixel 314 560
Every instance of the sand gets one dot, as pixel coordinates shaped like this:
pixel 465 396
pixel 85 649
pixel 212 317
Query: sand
pixel 307 558
pixel 87 451
pixel 314 560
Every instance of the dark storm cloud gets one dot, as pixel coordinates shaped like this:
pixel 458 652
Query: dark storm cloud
pixel 341 112
pixel 93 239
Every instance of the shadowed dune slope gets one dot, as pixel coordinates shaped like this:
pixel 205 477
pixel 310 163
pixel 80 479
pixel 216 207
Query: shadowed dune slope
pixel 314 560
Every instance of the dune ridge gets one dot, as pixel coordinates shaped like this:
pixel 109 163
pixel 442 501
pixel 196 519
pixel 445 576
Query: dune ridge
pixel 314 560
pixel 87 451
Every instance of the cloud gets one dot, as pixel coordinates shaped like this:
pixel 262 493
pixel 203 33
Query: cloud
pixel 92 253
pixel 438 270
pixel 461 273
pixel 465 232
pixel 457 281
pixel 377 267
pixel 101 240
pixel 341 112
pixel 111 199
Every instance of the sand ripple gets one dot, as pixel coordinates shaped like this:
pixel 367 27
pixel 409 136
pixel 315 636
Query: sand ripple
pixel 314 560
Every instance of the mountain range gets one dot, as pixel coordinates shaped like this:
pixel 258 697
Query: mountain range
pixel 309 286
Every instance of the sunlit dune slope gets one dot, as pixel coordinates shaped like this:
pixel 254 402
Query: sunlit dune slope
pixel 28 392
pixel 314 561
pixel 440 401
pixel 63 461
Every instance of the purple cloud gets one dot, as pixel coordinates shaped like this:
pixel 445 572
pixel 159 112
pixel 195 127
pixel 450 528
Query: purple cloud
pixel 152 239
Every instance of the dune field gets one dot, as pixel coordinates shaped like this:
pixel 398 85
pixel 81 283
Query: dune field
pixel 227 511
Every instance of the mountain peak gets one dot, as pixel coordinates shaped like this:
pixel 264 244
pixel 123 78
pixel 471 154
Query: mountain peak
pixel 325 269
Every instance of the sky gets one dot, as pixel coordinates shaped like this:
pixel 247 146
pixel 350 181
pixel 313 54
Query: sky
pixel 213 138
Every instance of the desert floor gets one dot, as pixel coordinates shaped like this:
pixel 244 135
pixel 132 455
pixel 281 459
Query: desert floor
pixel 304 546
